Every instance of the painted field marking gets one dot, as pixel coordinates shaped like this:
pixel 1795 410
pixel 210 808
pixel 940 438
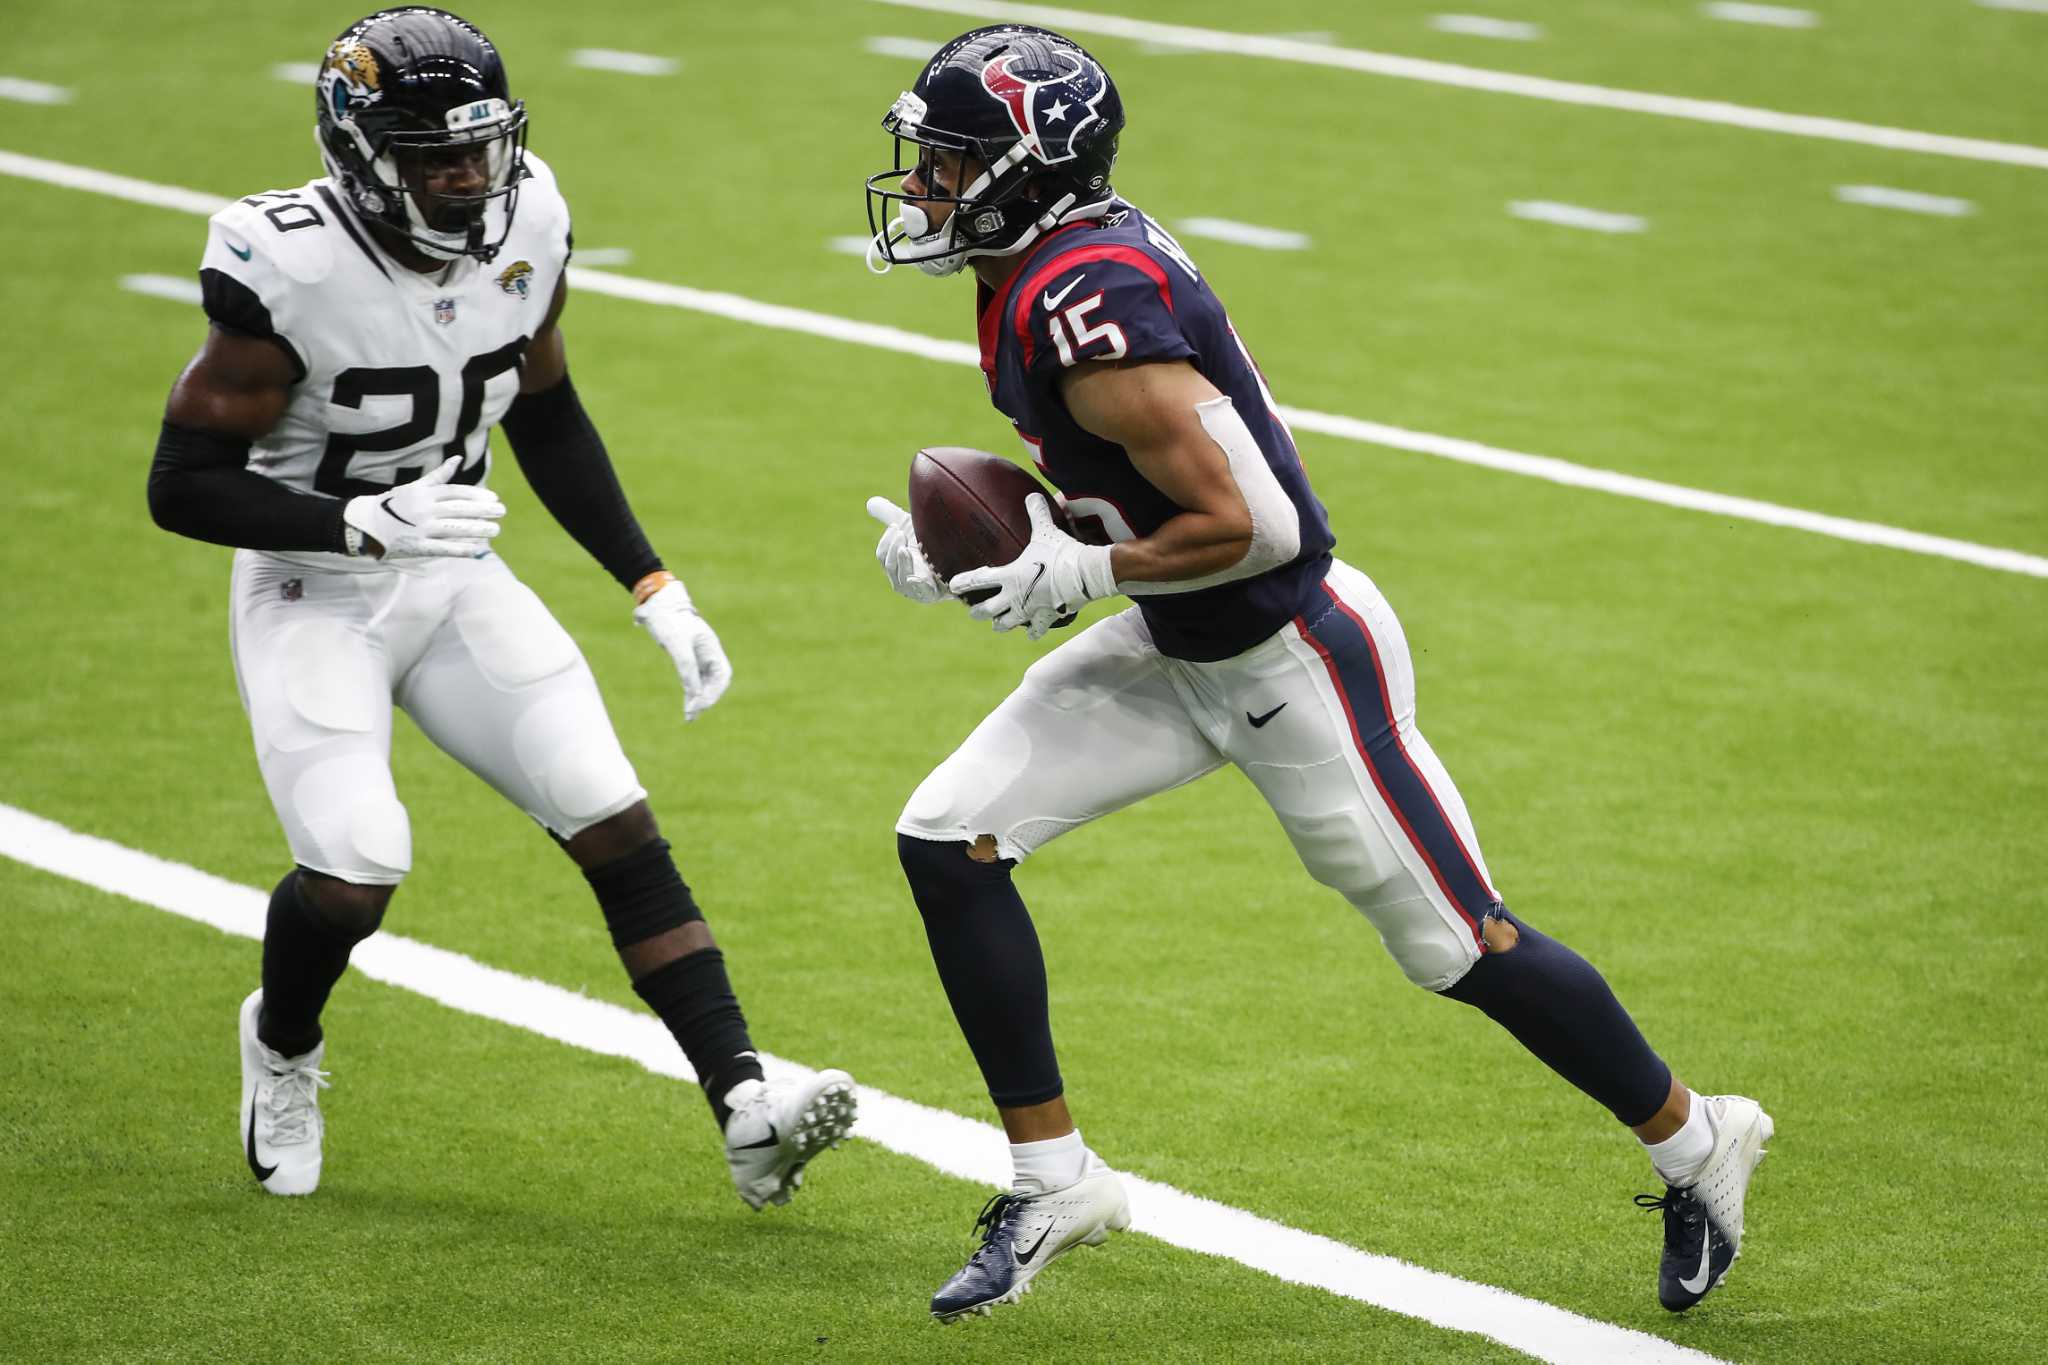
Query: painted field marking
pixel 1572 215
pixel 1770 16
pixel 2023 6
pixel 1497 82
pixel 296 73
pixel 32 92
pixel 170 287
pixel 1244 234
pixel 1912 201
pixel 1168 48
pixel 605 255
pixel 850 244
pixel 880 337
pixel 910 49
pixel 1479 26
pixel 626 63
pixel 958 1146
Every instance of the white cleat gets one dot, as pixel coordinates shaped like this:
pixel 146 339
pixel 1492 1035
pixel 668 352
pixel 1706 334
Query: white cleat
pixel 1741 1128
pixel 1022 1234
pixel 778 1126
pixel 280 1118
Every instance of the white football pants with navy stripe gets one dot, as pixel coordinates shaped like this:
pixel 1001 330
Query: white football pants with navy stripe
pixel 467 650
pixel 1320 717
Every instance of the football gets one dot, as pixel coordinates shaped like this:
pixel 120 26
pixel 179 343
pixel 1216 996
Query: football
pixel 967 507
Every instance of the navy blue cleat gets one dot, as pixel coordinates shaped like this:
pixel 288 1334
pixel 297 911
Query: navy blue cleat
pixel 1022 1234
pixel 1703 1220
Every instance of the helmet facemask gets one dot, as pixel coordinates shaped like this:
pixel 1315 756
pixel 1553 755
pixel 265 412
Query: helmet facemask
pixel 992 215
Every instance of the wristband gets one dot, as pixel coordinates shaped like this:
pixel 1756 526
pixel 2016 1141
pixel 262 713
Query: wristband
pixel 651 584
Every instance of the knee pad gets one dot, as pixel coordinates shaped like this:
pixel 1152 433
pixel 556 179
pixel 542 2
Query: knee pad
pixel 943 873
pixel 346 910
pixel 355 821
pixel 569 754
pixel 642 895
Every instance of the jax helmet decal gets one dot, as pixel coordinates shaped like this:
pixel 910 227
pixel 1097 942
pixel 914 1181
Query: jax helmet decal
pixel 1031 123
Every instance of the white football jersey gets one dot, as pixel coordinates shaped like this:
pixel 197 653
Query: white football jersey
pixel 399 370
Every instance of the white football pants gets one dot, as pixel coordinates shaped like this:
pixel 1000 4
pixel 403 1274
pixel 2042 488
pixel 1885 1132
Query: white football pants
pixel 1320 717
pixel 472 656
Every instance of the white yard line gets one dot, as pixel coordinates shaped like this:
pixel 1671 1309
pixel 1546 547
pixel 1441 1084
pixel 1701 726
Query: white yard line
pixel 296 73
pixel 626 63
pixel 2023 6
pixel 1769 16
pixel 1572 215
pixel 910 49
pixel 1244 234
pixel 1498 82
pixel 741 309
pixel 1912 201
pixel 1479 26
pixel 163 287
pixel 1321 37
pixel 32 92
pixel 605 255
pixel 958 1146
pixel 850 244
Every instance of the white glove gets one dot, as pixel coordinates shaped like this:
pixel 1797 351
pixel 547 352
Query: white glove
pixel 901 557
pixel 672 619
pixel 428 518
pixel 1051 579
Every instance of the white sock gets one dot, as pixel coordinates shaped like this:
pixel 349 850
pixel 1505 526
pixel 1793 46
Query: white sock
pixel 1679 1157
pixel 1053 1164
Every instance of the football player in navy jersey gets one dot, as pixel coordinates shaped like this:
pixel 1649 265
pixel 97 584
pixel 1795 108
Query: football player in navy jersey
pixel 368 329
pixel 1249 644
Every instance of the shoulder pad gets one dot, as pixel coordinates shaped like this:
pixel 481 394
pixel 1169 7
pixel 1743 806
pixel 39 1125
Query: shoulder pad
pixel 542 209
pixel 284 235
pixel 1097 301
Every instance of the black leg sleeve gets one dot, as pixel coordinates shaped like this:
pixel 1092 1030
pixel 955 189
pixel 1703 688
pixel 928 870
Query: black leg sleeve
pixel 989 961
pixel 303 956
pixel 1561 1009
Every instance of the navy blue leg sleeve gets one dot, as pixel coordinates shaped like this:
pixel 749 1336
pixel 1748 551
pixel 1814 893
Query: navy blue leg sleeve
pixel 989 961
pixel 1561 1009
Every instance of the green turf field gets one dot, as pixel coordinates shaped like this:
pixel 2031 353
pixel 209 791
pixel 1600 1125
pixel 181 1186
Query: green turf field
pixel 1790 793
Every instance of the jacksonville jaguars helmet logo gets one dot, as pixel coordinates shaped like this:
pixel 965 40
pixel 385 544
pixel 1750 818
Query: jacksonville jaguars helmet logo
pixel 1050 108
pixel 351 77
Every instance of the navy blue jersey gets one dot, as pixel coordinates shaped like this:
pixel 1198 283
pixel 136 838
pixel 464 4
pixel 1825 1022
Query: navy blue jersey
pixel 1122 289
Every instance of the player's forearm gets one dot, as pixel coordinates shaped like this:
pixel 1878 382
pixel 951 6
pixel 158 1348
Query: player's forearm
pixel 199 488
pixel 1191 545
pixel 565 461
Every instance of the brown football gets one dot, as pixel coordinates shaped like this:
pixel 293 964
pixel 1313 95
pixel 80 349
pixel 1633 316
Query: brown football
pixel 967 507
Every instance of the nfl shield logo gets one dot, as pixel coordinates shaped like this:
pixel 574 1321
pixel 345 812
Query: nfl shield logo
pixel 444 311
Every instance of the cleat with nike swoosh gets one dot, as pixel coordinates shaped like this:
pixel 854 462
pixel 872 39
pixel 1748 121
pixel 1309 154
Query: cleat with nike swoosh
pixel 1022 1234
pixel 1703 1220
pixel 280 1124
pixel 778 1126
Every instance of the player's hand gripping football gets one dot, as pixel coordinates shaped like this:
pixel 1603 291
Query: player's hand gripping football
pixel 901 557
pixel 1051 579
pixel 672 619
pixel 429 518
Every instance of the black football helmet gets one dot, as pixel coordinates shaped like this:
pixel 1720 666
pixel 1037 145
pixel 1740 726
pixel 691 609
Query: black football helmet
pixel 396 90
pixel 1034 110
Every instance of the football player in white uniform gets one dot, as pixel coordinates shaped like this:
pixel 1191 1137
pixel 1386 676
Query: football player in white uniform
pixel 368 329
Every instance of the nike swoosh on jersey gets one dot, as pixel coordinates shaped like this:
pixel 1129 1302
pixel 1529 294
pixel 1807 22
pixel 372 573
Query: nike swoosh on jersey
pixel 1053 300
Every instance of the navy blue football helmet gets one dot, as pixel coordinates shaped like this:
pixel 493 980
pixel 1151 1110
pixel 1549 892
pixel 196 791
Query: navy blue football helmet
pixel 399 89
pixel 1038 119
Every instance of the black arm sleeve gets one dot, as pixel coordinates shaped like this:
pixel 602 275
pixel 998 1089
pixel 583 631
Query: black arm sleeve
pixel 564 459
pixel 200 486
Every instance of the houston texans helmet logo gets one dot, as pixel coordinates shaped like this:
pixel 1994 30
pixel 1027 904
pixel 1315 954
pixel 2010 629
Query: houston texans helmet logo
pixel 1050 107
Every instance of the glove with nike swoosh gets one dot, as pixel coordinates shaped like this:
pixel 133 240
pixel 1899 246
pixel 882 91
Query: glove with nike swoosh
pixel 1051 579
pixel 429 518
